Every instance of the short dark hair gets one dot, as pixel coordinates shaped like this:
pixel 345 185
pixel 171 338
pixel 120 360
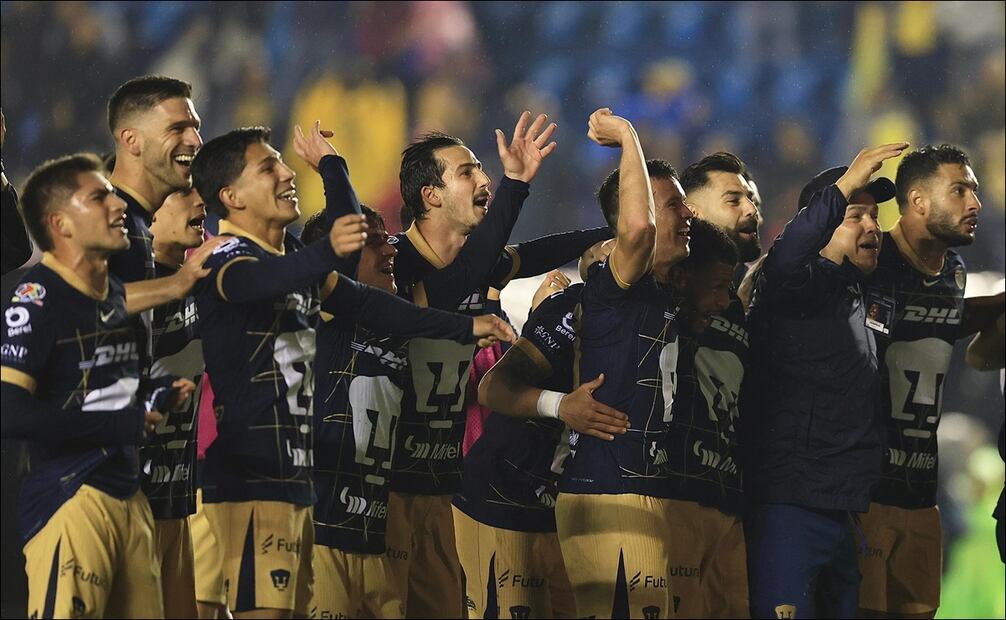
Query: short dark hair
pixel 607 194
pixel 709 244
pixel 697 174
pixel 421 167
pixel 141 94
pixel 49 186
pixel 921 164
pixel 317 227
pixel 221 161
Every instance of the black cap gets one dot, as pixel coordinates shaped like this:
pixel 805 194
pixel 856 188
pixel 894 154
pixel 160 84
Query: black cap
pixel 882 189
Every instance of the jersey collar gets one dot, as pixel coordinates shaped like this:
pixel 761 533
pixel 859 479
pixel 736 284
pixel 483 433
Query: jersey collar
pixel 424 249
pixel 135 195
pixel 226 227
pixel 71 278
pixel 909 254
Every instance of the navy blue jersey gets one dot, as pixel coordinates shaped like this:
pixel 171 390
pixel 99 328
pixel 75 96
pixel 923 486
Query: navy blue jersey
pixel 359 381
pixel 428 458
pixel 169 458
pixel 701 443
pixel 136 263
pixel 260 357
pixel 76 350
pixel 915 359
pixel 630 335
pixel 512 471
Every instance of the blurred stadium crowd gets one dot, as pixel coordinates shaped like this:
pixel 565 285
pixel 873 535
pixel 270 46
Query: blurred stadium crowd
pixel 791 87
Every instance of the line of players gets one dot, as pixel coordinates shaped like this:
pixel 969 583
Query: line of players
pixel 352 454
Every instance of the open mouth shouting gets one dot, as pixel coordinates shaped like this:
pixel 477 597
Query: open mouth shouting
pixel 196 223
pixel 482 200
pixel 289 196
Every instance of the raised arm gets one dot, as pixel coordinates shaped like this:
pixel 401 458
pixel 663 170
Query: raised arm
pixel 635 233
pixel 143 295
pixel 541 255
pixel 987 351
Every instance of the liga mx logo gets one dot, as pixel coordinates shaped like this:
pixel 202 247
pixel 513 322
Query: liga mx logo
pixel 280 579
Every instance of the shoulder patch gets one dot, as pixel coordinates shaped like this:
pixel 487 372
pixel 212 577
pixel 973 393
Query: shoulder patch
pixel 960 277
pixel 29 293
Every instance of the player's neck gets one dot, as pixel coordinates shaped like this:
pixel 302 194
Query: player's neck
pixel 169 254
pixel 445 240
pixel 927 249
pixel 130 176
pixel 90 267
pixel 266 230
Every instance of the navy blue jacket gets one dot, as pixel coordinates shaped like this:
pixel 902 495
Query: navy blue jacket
pixel 811 429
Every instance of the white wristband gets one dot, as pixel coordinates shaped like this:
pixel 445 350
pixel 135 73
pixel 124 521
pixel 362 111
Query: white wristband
pixel 548 403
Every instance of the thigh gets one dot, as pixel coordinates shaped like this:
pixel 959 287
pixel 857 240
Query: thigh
pixel 522 574
pixel 207 558
pixel 838 583
pixel 398 541
pixel 434 569
pixel 616 554
pixel 879 532
pixel 136 590
pixel 689 545
pixel 380 596
pixel 476 543
pixel 174 550
pixel 916 564
pixel 342 575
pixel 725 583
pixel 71 562
pixel 559 589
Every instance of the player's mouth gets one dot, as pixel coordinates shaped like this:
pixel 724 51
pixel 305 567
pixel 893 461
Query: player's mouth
pixel 686 232
pixel 289 196
pixel 184 159
pixel 970 223
pixel 870 247
pixel 388 268
pixel 196 223
pixel 748 231
pixel 119 224
pixel 482 201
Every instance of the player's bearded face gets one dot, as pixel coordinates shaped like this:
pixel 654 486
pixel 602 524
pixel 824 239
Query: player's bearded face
pixel 953 205
pixel 95 218
pixel 466 192
pixel 170 140
pixel 377 261
pixel 673 221
pixel 726 201
pixel 180 219
pixel 266 186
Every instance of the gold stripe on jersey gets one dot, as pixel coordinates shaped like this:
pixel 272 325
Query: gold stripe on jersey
pixel 220 274
pixel 423 247
pixel 540 361
pixel 514 265
pixel 227 227
pixel 71 278
pixel 331 280
pixel 135 195
pixel 18 378
pixel 419 295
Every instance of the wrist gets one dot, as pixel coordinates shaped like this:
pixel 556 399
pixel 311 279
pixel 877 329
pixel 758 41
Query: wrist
pixel 548 403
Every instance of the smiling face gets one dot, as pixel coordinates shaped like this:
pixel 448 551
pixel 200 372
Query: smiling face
pixel 93 219
pixel 179 221
pixel 266 187
pixel 672 218
pixel 377 259
pixel 169 139
pixel 464 199
pixel 858 237
pixel 952 205
pixel 704 292
pixel 727 201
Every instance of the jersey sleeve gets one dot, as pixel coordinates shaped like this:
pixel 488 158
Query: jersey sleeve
pixel 551 328
pixel 27 343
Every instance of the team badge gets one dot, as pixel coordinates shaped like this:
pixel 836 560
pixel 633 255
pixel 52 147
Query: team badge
pixel 960 277
pixel 29 293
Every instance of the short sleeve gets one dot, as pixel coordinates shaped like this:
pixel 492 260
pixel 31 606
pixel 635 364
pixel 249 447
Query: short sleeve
pixel 551 328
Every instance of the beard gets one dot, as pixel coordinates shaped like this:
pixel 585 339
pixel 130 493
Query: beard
pixel 164 171
pixel 748 250
pixel 941 225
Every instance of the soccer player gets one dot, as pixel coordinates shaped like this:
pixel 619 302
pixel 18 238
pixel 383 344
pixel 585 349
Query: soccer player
pixel 919 285
pixel 813 445
pixel 445 260
pixel 71 382
pixel 259 307
pixel 718 192
pixel 169 461
pixel 610 514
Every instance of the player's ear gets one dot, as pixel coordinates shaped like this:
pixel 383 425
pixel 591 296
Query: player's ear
pixel 130 140
pixel 917 201
pixel 431 195
pixel 59 224
pixel 229 198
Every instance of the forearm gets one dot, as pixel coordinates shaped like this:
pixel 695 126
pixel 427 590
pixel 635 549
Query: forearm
pixel 636 229
pixel 544 254
pixel 246 281
pixel 806 234
pixel 340 197
pixel 142 295
pixel 503 391
pixel 384 313
pixel 25 417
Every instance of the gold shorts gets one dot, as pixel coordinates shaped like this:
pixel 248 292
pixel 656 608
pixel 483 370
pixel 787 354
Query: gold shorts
pixel 95 558
pixel 424 558
pixel 207 556
pixel 178 582
pixel 354 585
pixel 901 560
pixel 266 548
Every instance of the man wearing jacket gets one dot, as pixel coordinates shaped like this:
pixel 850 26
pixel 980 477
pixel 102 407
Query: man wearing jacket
pixel 813 443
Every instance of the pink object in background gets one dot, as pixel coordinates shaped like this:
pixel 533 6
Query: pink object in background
pixel 207 418
pixel 477 414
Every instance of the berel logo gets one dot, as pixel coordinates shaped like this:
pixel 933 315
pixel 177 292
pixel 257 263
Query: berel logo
pixel 17 321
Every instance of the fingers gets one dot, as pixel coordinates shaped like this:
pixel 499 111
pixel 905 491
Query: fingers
pixel 536 126
pixel 500 142
pixel 199 256
pixel 596 433
pixel 544 136
pixel 520 129
pixel 596 383
pixel 613 416
pixel 545 152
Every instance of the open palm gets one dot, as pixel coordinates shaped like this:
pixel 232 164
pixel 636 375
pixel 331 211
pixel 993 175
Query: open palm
pixel 528 148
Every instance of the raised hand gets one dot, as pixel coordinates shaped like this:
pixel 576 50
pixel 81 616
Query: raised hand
pixel 606 129
pixel 313 147
pixel 490 329
pixel 865 164
pixel 528 148
pixel 583 414
pixel 348 234
pixel 554 282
